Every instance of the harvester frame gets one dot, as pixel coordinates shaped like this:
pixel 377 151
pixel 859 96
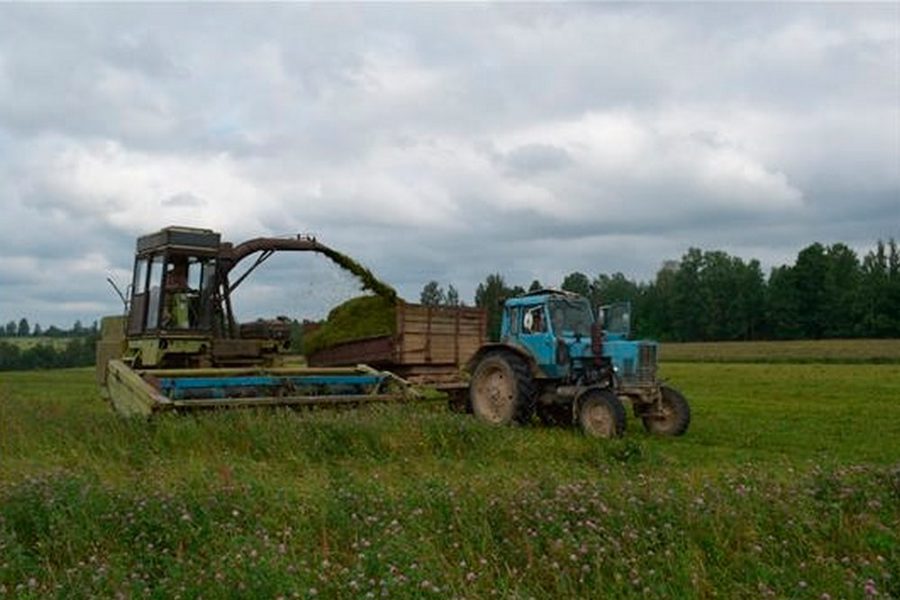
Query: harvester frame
pixel 179 347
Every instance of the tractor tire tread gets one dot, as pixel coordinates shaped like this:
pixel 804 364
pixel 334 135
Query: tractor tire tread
pixel 681 413
pixel 527 397
pixel 617 410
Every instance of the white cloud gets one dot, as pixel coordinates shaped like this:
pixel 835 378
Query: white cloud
pixel 632 158
pixel 133 190
pixel 441 141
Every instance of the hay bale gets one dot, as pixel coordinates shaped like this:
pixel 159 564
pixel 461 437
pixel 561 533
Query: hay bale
pixel 357 318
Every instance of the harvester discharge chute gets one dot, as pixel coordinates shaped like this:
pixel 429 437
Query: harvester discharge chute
pixel 178 347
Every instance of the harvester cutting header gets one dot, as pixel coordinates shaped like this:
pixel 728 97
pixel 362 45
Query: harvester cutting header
pixel 179 347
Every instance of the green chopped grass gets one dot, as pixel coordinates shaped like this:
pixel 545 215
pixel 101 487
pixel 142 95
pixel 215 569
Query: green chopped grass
pixel 357 318
pixel 366 277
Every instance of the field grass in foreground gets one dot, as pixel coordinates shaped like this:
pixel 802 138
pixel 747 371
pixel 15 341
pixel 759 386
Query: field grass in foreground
pixel 787 485
pixel 796 351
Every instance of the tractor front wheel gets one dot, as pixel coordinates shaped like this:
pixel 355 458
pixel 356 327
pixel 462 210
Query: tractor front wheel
pixel 671 416
pixel 601 414
pixel 501 390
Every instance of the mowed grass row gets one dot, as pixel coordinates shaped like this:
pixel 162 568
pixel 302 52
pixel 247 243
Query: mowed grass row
pixel 885 351
pixel 787 484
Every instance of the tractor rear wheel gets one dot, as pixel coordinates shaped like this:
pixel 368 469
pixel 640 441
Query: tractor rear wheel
pixel 601 414
pixel 673 415
pixel 501 390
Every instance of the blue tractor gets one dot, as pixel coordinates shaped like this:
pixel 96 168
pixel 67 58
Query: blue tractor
pixel 556 360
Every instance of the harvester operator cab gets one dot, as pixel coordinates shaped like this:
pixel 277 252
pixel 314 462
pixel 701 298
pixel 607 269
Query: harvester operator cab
pixel 174 279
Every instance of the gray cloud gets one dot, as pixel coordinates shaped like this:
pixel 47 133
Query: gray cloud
pixel 438 141
pixel 533 159
pixel 184 199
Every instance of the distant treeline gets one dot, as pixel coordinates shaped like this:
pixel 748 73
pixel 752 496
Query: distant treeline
pixel 829 292
pixel 20 351
pixel 76 352
pixel 23 329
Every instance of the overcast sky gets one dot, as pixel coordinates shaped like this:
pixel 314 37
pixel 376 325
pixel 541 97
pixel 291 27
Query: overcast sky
pixel 438 142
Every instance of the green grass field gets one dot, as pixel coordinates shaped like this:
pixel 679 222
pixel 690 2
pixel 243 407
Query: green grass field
pixel 786 486
pixel 798 351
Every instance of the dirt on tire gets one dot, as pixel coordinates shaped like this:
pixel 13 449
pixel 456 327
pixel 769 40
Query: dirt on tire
pixel 501 390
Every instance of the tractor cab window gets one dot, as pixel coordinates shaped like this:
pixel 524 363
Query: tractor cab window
pixel 155 291
pixel 534 320
pixel 188 281
pixel 571 316
pixel 207 276
pixel 139 284
pixel 171 292
pixel 514 321
pixel 617 318
pixel 138 305
pixel 176 314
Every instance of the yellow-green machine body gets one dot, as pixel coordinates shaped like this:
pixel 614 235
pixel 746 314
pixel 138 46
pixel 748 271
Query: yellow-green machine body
pixel 178 346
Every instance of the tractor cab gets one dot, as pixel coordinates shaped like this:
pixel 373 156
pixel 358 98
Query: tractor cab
pixel 173 295
pixel 554 327
pixel 174 283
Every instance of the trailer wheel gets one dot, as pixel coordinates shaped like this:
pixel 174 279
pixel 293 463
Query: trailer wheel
pixel 501 390
pixel 601 414
pixel 673 416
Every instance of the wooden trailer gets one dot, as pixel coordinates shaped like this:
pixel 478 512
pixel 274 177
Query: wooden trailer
pixel 431 345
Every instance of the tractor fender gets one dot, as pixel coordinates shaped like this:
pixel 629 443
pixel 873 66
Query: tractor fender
pixel 504 347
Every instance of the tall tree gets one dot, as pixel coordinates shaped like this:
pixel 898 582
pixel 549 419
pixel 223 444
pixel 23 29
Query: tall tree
pixel 11 329
pixel 654 313
pixel 841 311
pixel 24 329
pixel 432 294
pixel 452 296
pixel 490 296
pixel 752 299
pixel 535 286
pixel 880 291
pixel 577 282
pixel 687 302
pixel 606 289
pixel 810 272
